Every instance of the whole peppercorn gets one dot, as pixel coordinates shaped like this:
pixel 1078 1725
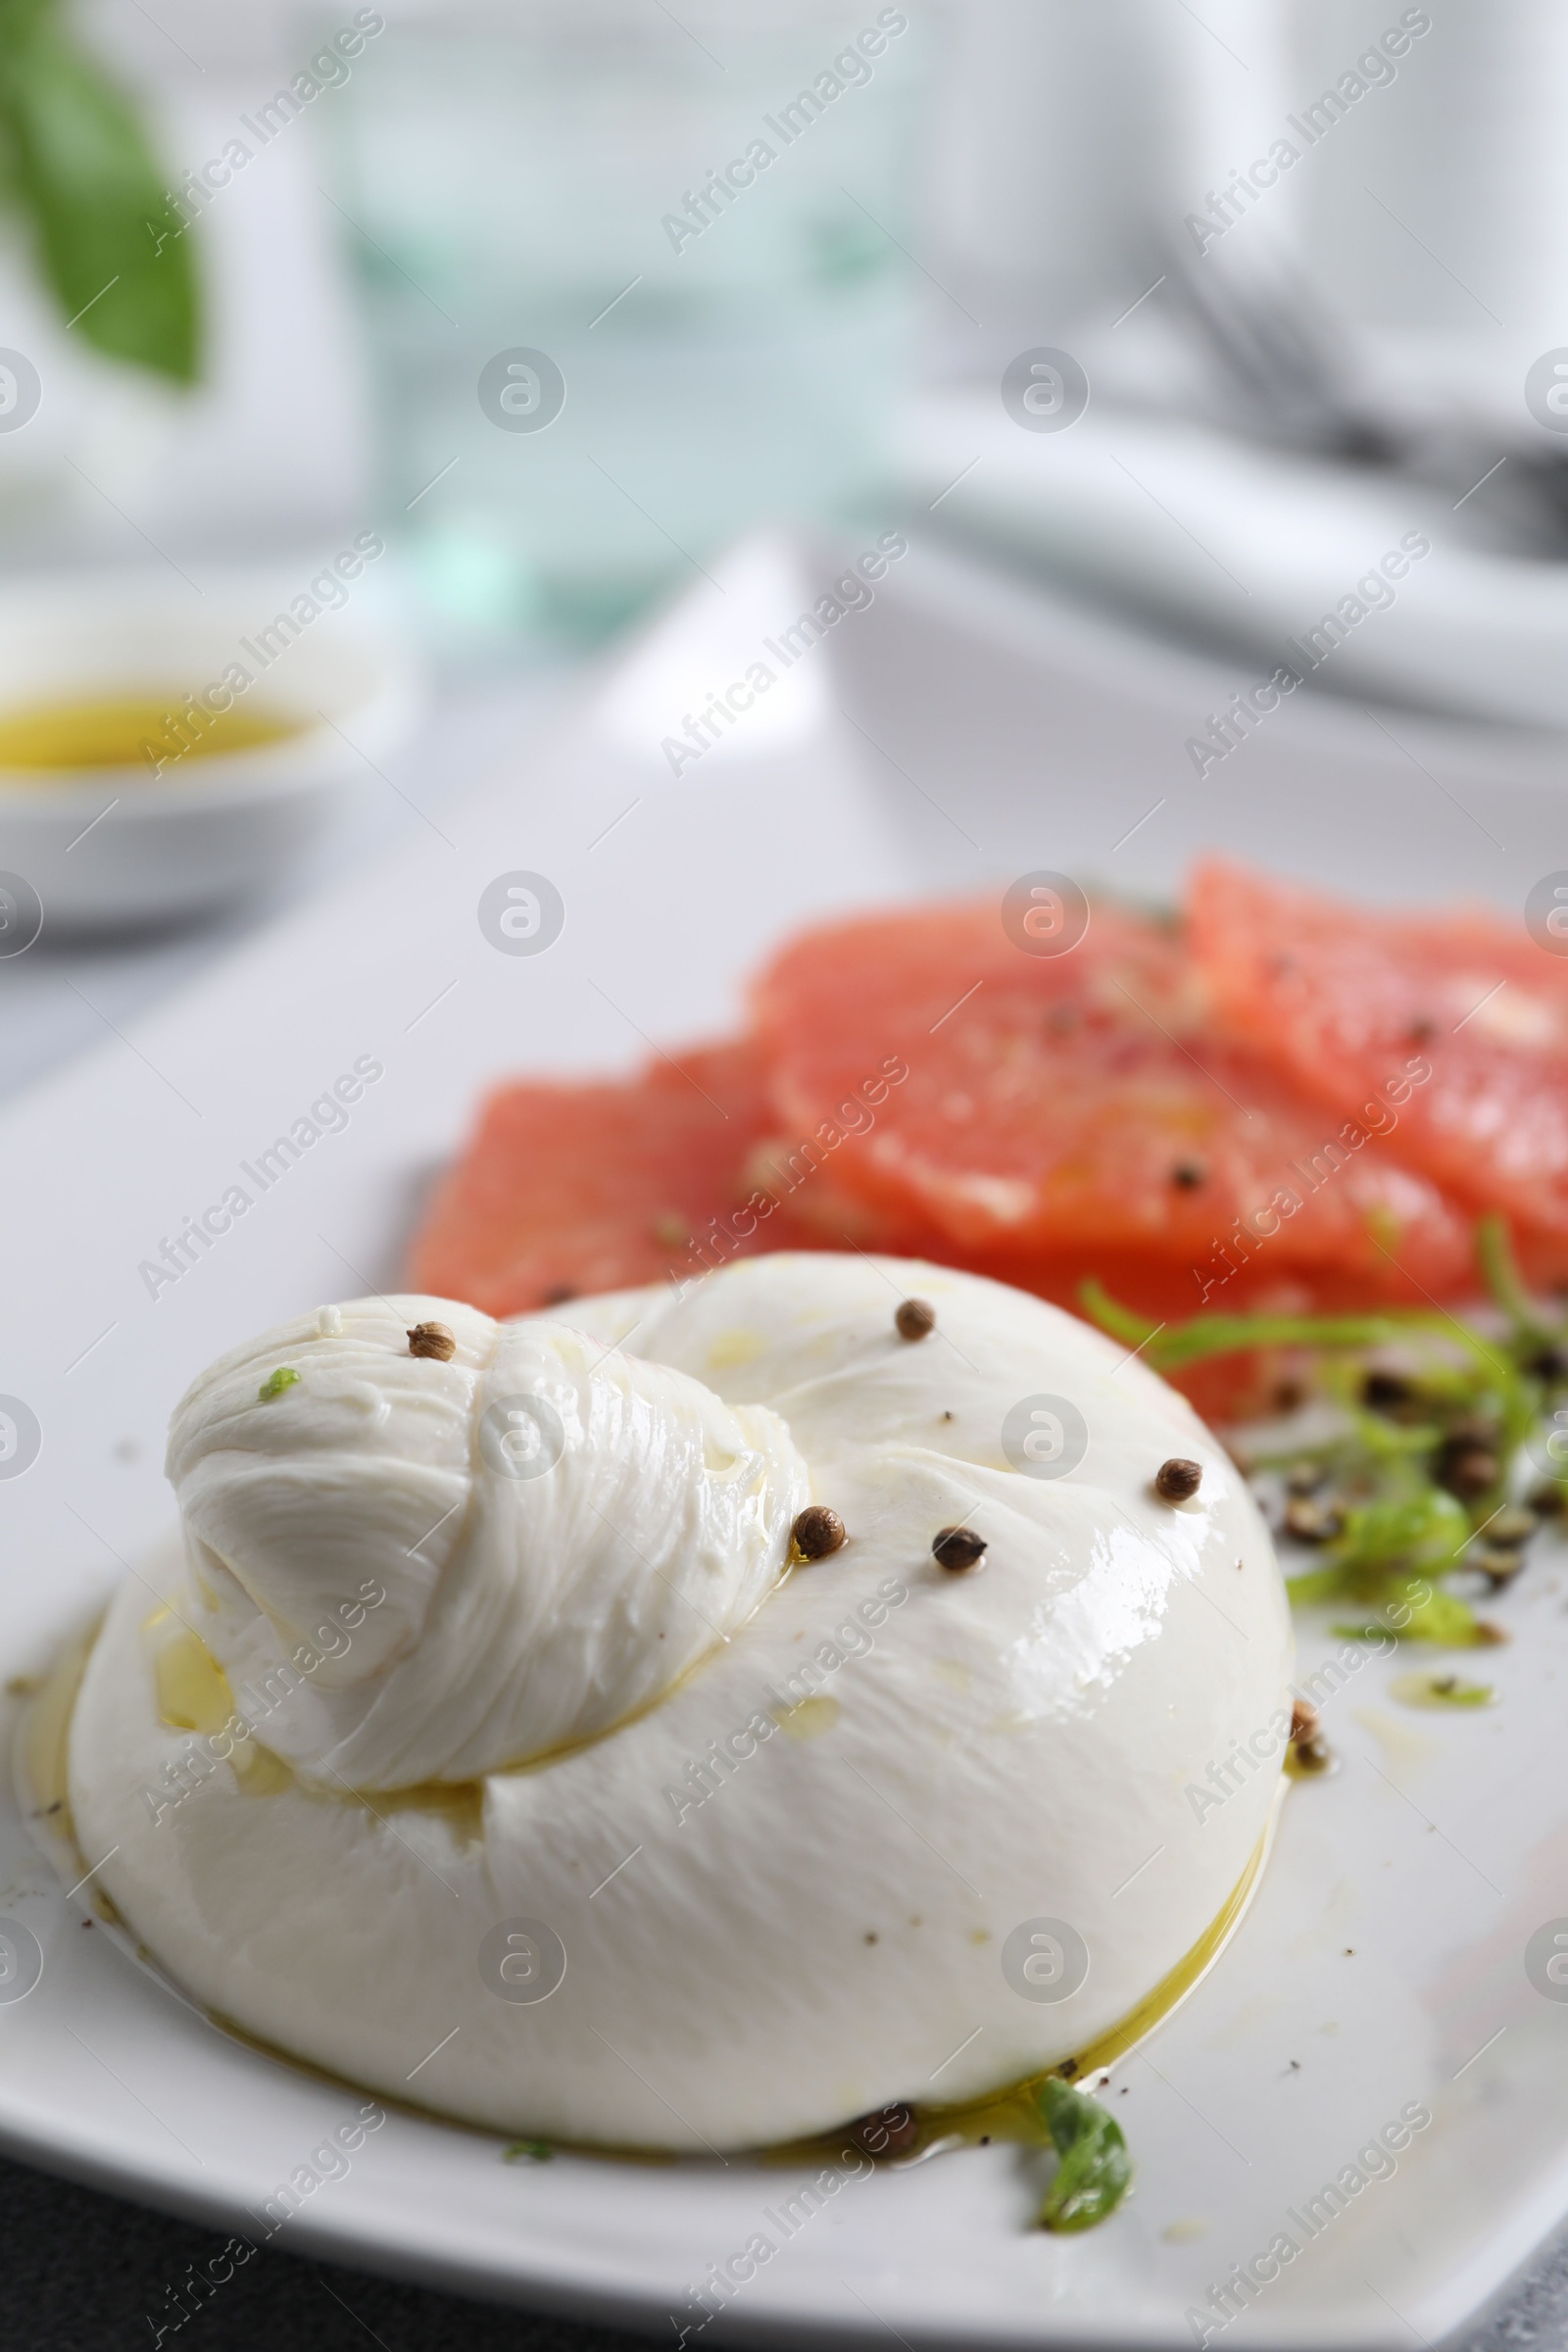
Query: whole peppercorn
pixel 1177 1479
pixel 816 1532
pixel 433 1340
pixel 1303 1720
pixel 915 1318
pixel 958 1548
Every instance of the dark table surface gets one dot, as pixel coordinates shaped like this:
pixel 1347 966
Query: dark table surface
pixel 85 2273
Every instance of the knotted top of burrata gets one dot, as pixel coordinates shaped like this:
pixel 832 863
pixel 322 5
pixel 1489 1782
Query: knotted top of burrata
pixel 547 1532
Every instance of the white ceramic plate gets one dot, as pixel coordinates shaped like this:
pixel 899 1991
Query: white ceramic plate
pixel 1383 1962
pixel 1241 543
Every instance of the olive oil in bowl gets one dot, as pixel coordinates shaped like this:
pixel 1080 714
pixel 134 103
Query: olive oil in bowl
pixel 160 734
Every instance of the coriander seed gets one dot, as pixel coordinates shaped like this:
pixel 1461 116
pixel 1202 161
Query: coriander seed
pixel 816 1532
pixel 958 1548
pixel 1178 1479
pixel 1467 1468
pixel 1311 1522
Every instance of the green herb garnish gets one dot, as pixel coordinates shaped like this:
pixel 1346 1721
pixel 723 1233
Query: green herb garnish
pixel 1422 1458
pixel 1095 2171
pixel 538 2151
pixel 76 168
pixel 276 1382
pixel 1441 1690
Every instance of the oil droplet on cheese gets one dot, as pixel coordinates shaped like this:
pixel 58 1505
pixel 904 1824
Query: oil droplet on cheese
pixel 733 1347
pixel 460 1804
pixel 810 1719
pixel 193 1693
pixel 194 1696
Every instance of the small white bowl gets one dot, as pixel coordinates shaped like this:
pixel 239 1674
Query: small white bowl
pixel 116 847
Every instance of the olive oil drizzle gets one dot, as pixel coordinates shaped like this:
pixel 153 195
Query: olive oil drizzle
pixel 192 1689
pixel 194 1696
pixel 1014 2112
pixel 43 1770
pixel 44 1752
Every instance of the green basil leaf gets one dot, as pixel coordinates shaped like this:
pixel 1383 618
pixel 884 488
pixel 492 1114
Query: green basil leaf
pixel 17 18
pixel 106 233
pixel 1095 2172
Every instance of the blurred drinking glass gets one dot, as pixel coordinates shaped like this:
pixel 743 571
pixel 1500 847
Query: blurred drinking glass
pixel 635 284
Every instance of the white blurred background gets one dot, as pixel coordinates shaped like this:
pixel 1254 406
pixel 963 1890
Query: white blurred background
pixel 1059 150
pixel 1274 288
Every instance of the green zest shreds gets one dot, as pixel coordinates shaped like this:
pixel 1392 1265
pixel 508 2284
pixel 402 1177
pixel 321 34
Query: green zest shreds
pixel 1428 1415
pixel 1092 2175
pixel 1441 1690
pixel 538 2151
pixel 274 1386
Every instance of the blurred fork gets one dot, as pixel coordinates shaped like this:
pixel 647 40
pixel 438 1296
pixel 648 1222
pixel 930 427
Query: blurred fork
pixel 1281 355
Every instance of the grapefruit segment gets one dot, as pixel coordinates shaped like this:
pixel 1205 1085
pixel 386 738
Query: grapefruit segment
pixel 1075 1106
pixel 1458 1023
pixel 568 1188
